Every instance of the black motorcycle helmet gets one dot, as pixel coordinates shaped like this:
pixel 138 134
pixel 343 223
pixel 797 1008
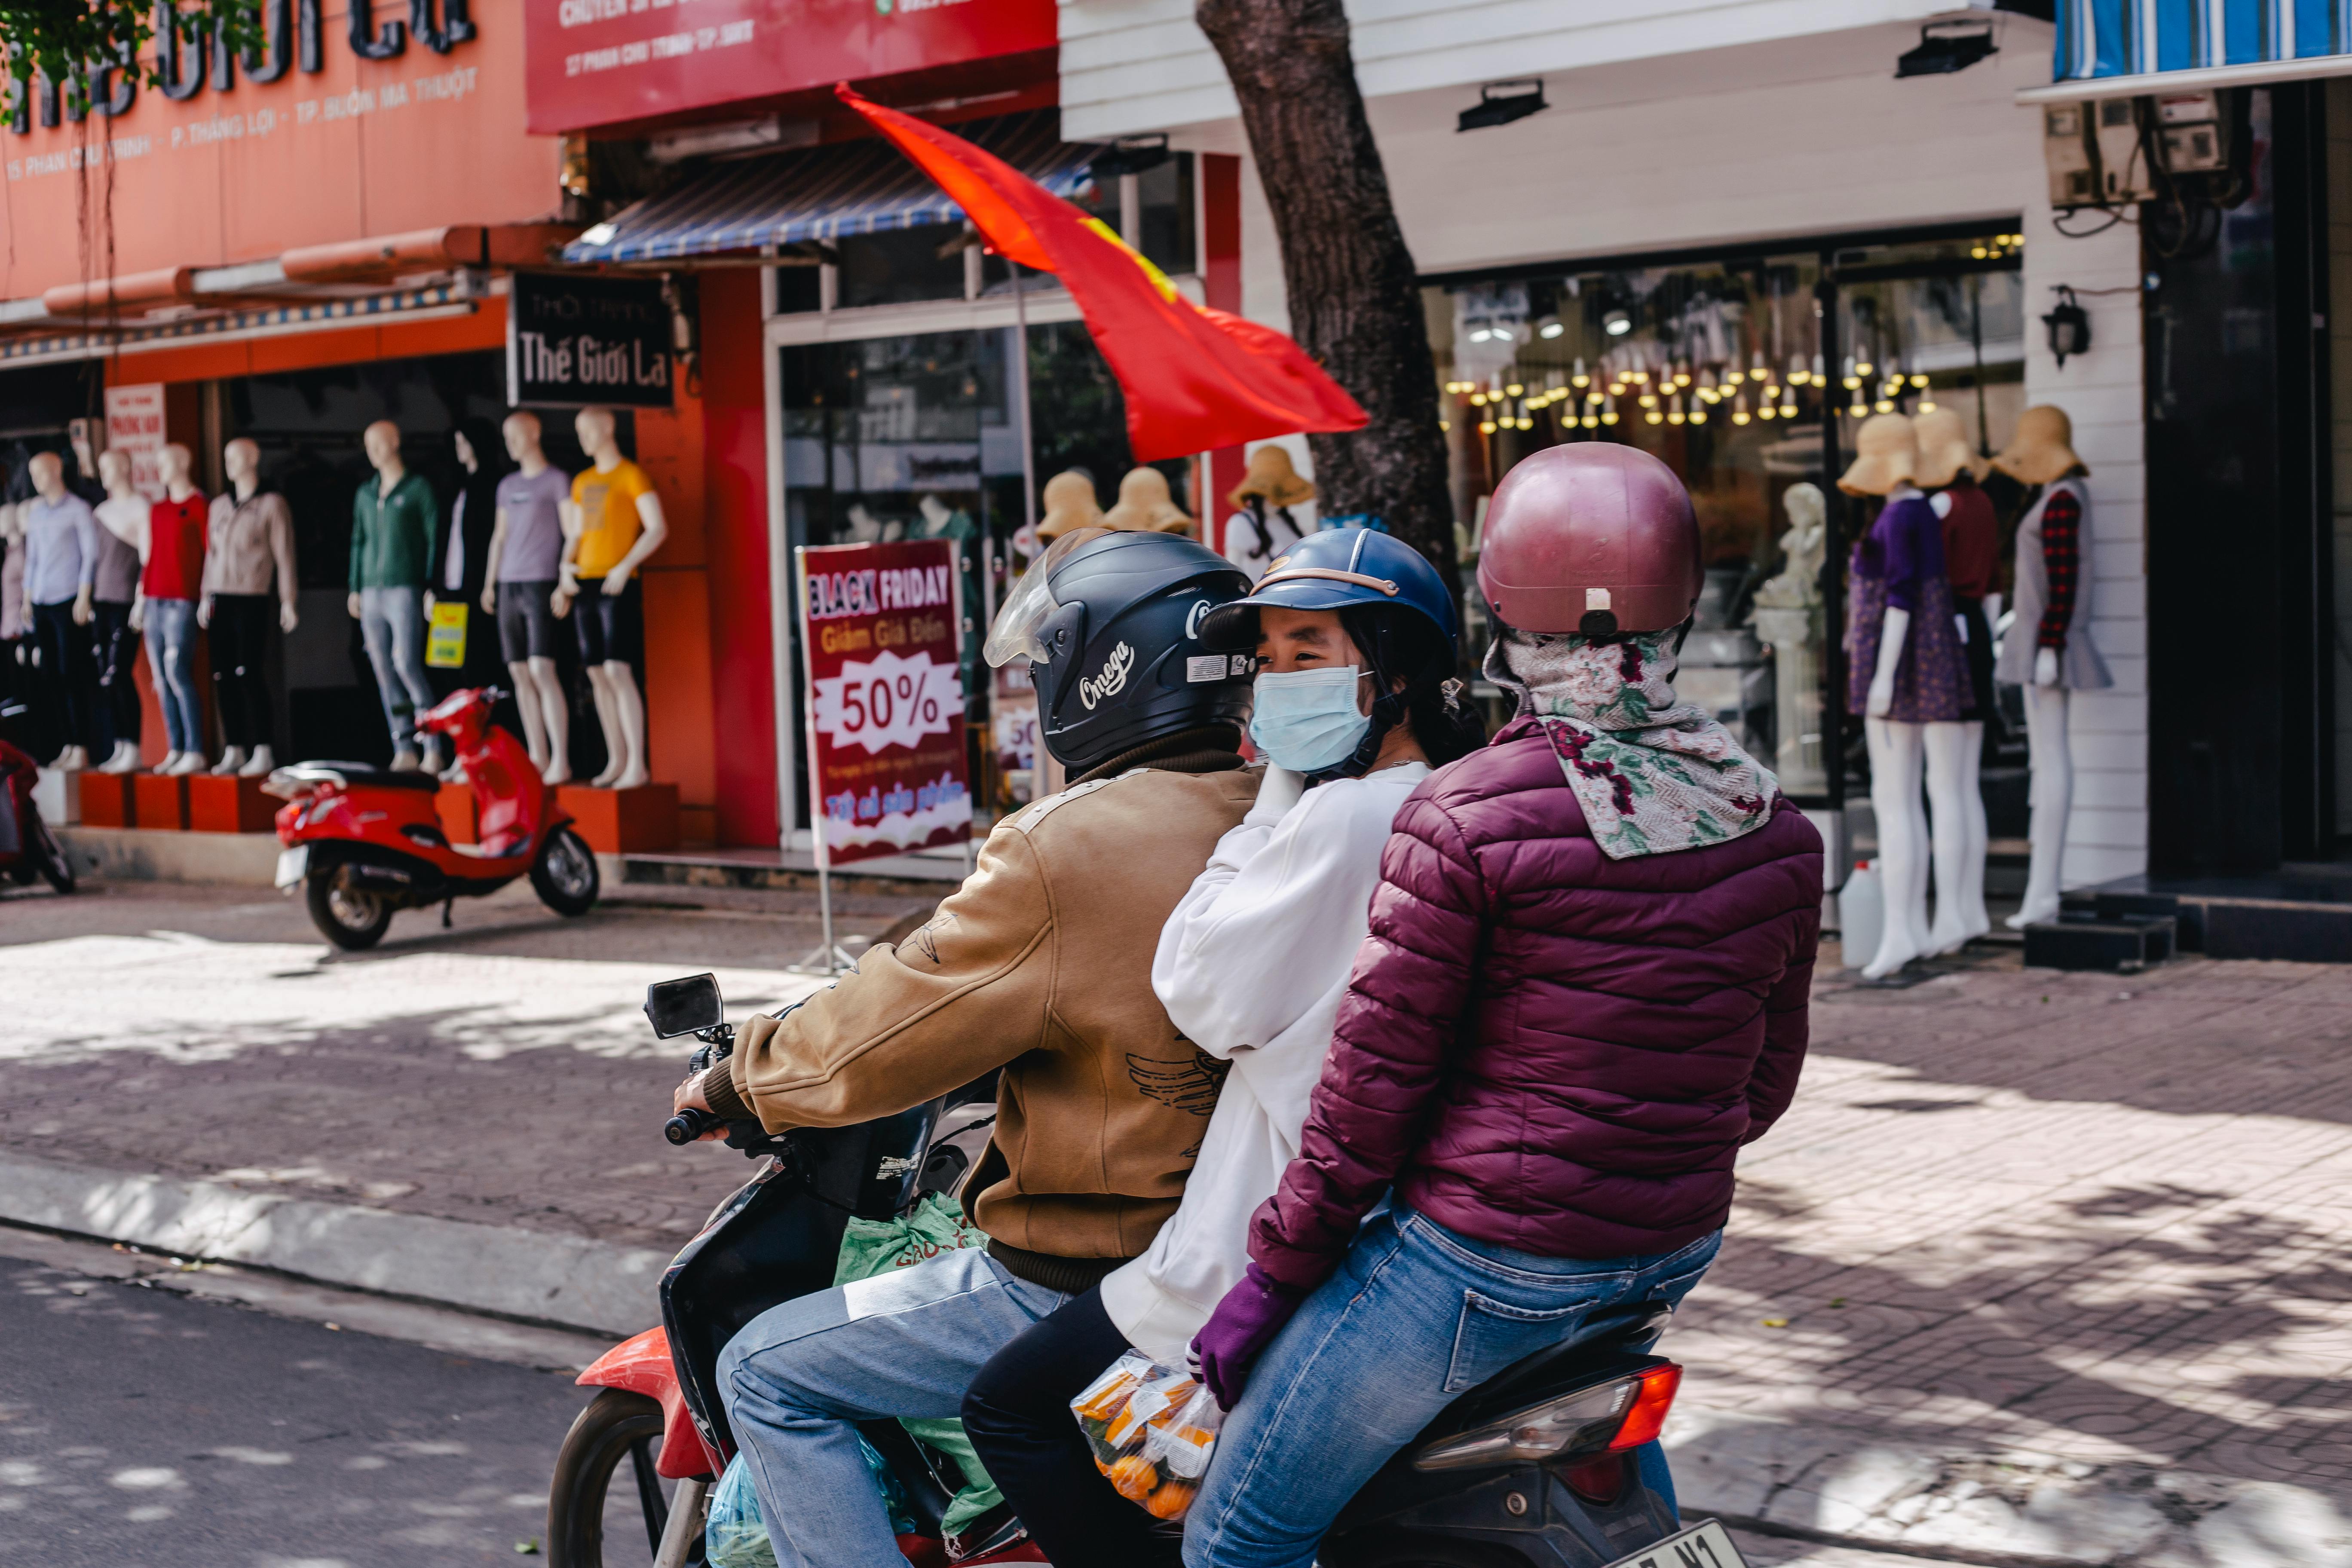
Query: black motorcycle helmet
pixel 1110 625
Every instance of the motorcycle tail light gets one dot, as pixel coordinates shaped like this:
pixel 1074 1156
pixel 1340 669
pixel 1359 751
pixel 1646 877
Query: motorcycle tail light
pixel 1600 1480
pixel 1599 1419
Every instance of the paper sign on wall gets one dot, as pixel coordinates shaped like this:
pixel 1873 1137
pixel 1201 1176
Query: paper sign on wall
pixel 884 697
pixel 135 423
pixel 444 640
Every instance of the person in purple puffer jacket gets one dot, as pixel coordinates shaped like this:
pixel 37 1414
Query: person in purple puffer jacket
pixel 1586 985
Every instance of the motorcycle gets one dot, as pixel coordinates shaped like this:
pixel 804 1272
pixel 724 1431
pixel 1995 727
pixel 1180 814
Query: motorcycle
pixel 365 842
pixel 1534 1469
pixel 27 847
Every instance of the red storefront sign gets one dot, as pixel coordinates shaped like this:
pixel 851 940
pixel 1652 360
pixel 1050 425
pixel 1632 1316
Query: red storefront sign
pixel 607 62
pixel 884 697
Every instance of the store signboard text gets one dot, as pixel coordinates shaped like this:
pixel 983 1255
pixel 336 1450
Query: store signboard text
pixel 606 62
pixel 579 340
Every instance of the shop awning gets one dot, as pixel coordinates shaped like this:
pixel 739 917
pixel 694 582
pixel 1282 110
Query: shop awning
pixel 823 193
pixel 2115 49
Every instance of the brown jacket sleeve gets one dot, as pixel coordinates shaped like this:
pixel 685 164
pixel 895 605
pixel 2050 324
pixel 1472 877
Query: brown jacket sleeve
pixel 967 993
pixel 282 547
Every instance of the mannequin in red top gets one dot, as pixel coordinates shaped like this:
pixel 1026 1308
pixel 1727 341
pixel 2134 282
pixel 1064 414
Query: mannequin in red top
pixel 1948 470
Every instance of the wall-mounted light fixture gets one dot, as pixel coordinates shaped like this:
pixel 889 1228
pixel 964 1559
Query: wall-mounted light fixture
pixel 2069 326
pixel 1946 47
pixel 1500 102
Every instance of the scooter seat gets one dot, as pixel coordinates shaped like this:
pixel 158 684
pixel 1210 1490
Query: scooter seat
pixel 373 777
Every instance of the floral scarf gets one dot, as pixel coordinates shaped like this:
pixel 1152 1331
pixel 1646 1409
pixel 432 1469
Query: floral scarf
pixel 1653 773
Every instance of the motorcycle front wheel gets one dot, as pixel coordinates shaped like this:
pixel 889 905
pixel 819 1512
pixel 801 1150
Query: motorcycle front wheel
pixel 617 1425
pixel 564 875
pixel 51 855
pixel 351 918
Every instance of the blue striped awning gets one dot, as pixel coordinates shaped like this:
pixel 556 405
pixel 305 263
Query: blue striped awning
pixel 2103 39
pixel 824 193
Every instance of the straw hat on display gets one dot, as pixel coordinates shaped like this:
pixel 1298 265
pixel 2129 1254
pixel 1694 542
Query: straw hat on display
pixel 1070 503
pixel 1146 507
pixel 1887 454
pixel 1271 477
pixel 1943 454
pixel 2043 450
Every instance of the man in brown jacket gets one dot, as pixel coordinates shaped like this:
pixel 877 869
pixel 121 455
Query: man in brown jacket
pixel 1040 963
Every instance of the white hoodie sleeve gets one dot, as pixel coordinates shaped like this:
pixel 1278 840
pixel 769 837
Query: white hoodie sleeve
pixel 1270 927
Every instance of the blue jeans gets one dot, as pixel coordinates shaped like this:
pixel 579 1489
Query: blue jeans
pixel 171 631
pixel 907 1344
pixel 392 624
pixel 1416 1317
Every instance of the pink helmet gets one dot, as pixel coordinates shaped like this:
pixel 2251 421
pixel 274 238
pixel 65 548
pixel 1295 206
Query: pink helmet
pixel 1590 537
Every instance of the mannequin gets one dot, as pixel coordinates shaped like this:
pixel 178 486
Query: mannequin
pixel 865 528
pixel 1144 506
pixel 2048 650
pixel 458 569
pixel 614 523
pixel 1904 675
pixel 61 578
pixel 122 530
pixel 394 522
pixel 1787 614
pixel 522 569
pixel 1267 524
pixel 249 556
pixel 171 538
pixel 1971 549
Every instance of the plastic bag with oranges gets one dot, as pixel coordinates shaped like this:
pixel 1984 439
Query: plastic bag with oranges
pixel 1152 1429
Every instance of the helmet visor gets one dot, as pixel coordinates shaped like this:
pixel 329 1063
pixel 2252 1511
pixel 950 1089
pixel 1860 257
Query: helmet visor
pixel 1031 604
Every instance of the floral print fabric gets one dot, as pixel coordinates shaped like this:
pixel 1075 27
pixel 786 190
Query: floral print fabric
pixel 1653 772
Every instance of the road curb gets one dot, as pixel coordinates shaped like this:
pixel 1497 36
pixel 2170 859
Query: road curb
pixel 532 1277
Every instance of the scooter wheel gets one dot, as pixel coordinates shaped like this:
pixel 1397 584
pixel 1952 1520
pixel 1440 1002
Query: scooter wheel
pixel 616 1426
pixel 351 917
pixel 51 854
pixel 564 875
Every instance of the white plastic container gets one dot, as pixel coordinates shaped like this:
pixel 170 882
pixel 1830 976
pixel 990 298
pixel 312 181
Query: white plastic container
pixel 1861 914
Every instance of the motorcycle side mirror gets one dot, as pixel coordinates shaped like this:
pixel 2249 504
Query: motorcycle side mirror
pixel 684 1006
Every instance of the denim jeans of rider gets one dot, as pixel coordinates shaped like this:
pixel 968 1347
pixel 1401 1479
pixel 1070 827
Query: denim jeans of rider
pixel 902 1344
pixel 1416 1317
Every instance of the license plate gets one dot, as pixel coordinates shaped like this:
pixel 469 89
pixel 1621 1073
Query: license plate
pixel 1704 1545
pixel 293 865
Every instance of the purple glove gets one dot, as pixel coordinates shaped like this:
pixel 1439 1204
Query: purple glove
pixel 1243 1324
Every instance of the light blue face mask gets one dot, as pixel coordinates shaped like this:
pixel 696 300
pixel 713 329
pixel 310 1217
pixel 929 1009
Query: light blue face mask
pixel 1308 720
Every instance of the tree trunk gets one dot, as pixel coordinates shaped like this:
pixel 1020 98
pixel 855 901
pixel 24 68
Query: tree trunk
pixel 1355 298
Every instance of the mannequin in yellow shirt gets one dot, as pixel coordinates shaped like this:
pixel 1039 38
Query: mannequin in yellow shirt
pixel 612 522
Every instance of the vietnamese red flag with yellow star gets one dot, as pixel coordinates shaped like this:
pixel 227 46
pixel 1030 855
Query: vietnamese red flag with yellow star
pixel 1195 379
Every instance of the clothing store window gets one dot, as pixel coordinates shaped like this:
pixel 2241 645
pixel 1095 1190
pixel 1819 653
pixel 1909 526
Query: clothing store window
pixel 918 436
pixel 1736 373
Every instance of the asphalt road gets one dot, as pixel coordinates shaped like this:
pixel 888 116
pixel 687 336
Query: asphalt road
pixel 139 1428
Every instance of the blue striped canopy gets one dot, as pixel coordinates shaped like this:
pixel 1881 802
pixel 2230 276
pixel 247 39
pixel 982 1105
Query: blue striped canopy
pixel 2099 39
pixel 824 192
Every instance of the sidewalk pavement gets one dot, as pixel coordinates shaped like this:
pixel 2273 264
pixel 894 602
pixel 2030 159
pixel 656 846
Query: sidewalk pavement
pixel 2040 1268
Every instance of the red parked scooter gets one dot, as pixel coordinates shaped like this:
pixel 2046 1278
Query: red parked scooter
pixel 27 847
pixel 363 841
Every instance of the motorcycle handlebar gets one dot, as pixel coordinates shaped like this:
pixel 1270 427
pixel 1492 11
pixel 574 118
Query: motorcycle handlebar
pixel 690 1124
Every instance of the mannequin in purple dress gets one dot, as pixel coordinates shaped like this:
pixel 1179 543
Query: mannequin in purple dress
pixel 1905 672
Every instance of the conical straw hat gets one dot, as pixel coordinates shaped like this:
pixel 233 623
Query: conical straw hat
pixel 1944 452
pixel 1070 503
pixel 1887 454
pixel 1144 506
pixel 1272 477
pixel 2043 450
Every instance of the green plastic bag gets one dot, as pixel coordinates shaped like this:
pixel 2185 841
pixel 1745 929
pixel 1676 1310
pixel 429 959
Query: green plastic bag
pixel 871 1247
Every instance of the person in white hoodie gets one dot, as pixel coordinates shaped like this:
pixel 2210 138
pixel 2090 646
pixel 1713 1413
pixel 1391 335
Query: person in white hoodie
pixel 1356 701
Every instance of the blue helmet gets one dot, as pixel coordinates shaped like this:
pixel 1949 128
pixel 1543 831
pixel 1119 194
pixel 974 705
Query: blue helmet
pixel 1331 571
pixel 1397 612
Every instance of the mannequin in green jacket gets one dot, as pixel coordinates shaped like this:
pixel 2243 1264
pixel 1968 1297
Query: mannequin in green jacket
pixel 394 517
